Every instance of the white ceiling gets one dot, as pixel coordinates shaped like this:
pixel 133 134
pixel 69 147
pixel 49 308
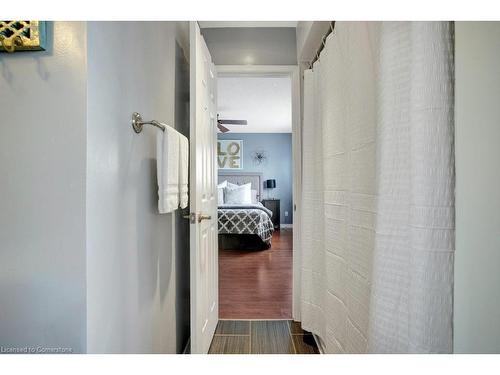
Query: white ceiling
pixel 265 102
pixel 218 24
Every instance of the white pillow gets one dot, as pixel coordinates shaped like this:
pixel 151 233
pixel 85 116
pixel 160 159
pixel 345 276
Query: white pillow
pixel 220 192
pixel 254 196
pixel 230 185
pixel 220 196
pixel 238 195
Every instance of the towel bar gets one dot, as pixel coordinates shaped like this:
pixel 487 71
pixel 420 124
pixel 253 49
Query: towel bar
pixel 137 123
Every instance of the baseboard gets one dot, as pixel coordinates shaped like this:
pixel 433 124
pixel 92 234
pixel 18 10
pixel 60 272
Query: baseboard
pixel 286 226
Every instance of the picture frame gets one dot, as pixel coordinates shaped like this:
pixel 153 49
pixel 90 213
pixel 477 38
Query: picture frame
pixel 230 154
pixel 18 36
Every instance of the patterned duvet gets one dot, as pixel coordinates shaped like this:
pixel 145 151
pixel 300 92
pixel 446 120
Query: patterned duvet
pixel 246 219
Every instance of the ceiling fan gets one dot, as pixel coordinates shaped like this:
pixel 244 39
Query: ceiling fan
pixel 223 129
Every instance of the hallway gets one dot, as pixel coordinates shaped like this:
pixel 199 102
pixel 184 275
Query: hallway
pixel 257 284
pixel 190 187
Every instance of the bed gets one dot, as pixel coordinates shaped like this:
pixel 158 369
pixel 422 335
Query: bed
pixel 247 226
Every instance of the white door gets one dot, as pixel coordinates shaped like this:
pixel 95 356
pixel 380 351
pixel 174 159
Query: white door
pixel 203 195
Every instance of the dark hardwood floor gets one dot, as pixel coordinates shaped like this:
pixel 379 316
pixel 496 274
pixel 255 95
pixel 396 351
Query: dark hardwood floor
pixel 257 284
pixel 262 337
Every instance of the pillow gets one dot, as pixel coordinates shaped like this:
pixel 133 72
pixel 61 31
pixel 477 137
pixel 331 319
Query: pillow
pixel 238 195
pixel 220 196
pixel 230 185
pixel 254 196
pixel 220 193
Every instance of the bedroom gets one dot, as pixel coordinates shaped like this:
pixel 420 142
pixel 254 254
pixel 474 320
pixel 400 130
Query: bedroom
pixel 255 202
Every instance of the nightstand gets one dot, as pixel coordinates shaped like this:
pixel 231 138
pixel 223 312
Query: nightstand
pixel 274 206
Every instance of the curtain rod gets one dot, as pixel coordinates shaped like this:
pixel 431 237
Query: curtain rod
pixel 322 45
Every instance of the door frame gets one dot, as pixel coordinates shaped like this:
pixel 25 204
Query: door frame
pixel 293 72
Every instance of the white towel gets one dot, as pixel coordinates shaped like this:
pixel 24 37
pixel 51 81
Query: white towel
pixel 183 171
pixel 167 163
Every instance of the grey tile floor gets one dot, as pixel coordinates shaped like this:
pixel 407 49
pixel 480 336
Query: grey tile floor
pixel 262 337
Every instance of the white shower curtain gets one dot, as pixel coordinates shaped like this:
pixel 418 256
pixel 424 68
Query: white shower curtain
pixel 378 189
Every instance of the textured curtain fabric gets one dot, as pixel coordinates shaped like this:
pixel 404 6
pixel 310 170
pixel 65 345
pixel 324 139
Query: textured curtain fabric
pixel 378 189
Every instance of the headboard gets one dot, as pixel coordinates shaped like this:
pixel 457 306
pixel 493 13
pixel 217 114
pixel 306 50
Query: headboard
pixel 241 178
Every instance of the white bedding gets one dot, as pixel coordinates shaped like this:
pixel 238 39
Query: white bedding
pixel 234 199
pixel 238 194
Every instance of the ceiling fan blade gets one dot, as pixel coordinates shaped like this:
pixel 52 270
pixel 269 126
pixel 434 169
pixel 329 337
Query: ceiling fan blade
pixel 222 128
pixel 233 122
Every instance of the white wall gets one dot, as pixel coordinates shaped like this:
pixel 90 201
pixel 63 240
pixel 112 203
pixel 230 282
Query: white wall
pixel 309 36
pixel 86 262
pixel 302 32
pixel 252 46
pixel 477 259
pixel 133 296
pixel 42 192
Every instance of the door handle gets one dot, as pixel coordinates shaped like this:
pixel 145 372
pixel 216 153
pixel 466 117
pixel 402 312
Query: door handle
pixel 193 217
pixel 202 217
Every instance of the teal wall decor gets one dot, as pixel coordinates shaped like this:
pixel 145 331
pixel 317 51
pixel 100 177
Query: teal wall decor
pixel 22 36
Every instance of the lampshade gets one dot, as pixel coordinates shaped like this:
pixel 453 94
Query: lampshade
pixel 270 184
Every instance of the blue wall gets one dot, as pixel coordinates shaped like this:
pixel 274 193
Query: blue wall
pixel 278 147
